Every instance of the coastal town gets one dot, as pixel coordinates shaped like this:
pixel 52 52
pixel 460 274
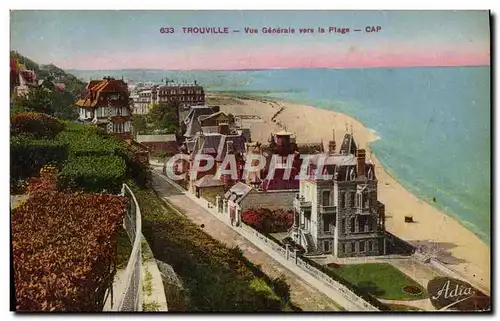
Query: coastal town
pixel 205 190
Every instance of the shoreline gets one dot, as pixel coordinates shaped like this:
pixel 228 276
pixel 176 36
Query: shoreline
pixel 439 232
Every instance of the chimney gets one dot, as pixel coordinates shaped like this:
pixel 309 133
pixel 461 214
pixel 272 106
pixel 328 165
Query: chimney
pixel 332 145
pixel 361 162
pixel 224 129
pixel 230 149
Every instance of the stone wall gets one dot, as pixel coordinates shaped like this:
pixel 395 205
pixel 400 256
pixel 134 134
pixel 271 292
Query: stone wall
pixel 272 200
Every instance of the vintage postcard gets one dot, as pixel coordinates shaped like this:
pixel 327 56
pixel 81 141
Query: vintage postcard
pixel 250 161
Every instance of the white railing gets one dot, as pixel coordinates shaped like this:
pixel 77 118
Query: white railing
pixel 347 293
pixel 129 292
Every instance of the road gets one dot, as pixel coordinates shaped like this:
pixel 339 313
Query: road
pixel 303 295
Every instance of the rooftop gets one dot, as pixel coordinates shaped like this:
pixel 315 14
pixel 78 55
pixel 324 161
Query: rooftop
pixel 209 181
pixel 156 138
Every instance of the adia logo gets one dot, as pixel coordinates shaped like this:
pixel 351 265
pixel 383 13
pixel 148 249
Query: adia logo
pixel 453 294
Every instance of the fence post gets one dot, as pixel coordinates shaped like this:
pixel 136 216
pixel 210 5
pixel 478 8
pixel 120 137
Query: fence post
pixel 287 251
pixel 296 255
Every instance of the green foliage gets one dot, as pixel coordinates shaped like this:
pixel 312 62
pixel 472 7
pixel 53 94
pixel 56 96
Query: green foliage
pixel 150 306
pixel 231 118
pixel 139 123
pixel 29 155
pixel 123 248
pixel 35 124
pixel 46 98
pixel 93 173
pixel 36 100
pixel 381 280
pixel 85 140
pixel 73 85
pixel 136 169
pixel 148 286
pixel 165 116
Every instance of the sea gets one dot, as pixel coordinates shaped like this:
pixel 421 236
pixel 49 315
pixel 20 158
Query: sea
pixel 433 123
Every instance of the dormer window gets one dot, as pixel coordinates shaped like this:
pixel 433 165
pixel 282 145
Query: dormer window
pixel 351 174
pixel 370 174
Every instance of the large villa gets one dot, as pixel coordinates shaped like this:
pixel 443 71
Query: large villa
pixel 340 214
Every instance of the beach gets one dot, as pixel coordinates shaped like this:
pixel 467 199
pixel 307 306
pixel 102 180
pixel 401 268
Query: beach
pixel 433 229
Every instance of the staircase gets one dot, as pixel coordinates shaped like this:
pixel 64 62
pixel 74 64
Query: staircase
pixel 310 248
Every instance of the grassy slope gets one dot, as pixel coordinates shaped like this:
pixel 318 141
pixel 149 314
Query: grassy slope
pixel 380 279
pixel 123 249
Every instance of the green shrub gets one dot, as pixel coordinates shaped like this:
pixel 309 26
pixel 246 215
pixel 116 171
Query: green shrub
pixel 93 173
pixel 29 155
pixel 136 169
pixel 87 142
pixel 37 125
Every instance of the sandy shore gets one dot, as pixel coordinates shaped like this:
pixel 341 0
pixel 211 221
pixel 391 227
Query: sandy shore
pixel 464 251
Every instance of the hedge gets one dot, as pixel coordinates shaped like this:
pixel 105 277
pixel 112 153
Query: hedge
pixel 29 155
pixel 136 169
pixel 86 142
pixel 93 173
pixel 266 221
pixel 37 125
pixel 64 249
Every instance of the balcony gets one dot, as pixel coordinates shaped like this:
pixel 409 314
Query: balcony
pixel 330 209
pixel 300 203
pixel 365 211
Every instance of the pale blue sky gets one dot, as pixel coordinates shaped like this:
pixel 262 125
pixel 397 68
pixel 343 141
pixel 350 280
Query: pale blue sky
pixel 67 37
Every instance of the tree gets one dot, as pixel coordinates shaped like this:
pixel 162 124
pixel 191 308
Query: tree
pixel 231 119
pixel 37 99
pixel 165 116
pixel 139 124
pixel 43 100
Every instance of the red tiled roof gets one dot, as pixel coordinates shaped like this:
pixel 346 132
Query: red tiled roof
pixel 29 76
pixel 96 87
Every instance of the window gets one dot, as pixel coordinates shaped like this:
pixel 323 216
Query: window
pixel 352 197
pixel 362 246
pixel 342 226
pixel 365 199
pixel 362 224
pixel 342 247
pixel 342 199
pixel 353 247
pixel 326 198
pixel 326 246
pixel 369 245
pixel 327 220
pixel 353 225
pixel 118 128
pixel 359 199
pixel 370 174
